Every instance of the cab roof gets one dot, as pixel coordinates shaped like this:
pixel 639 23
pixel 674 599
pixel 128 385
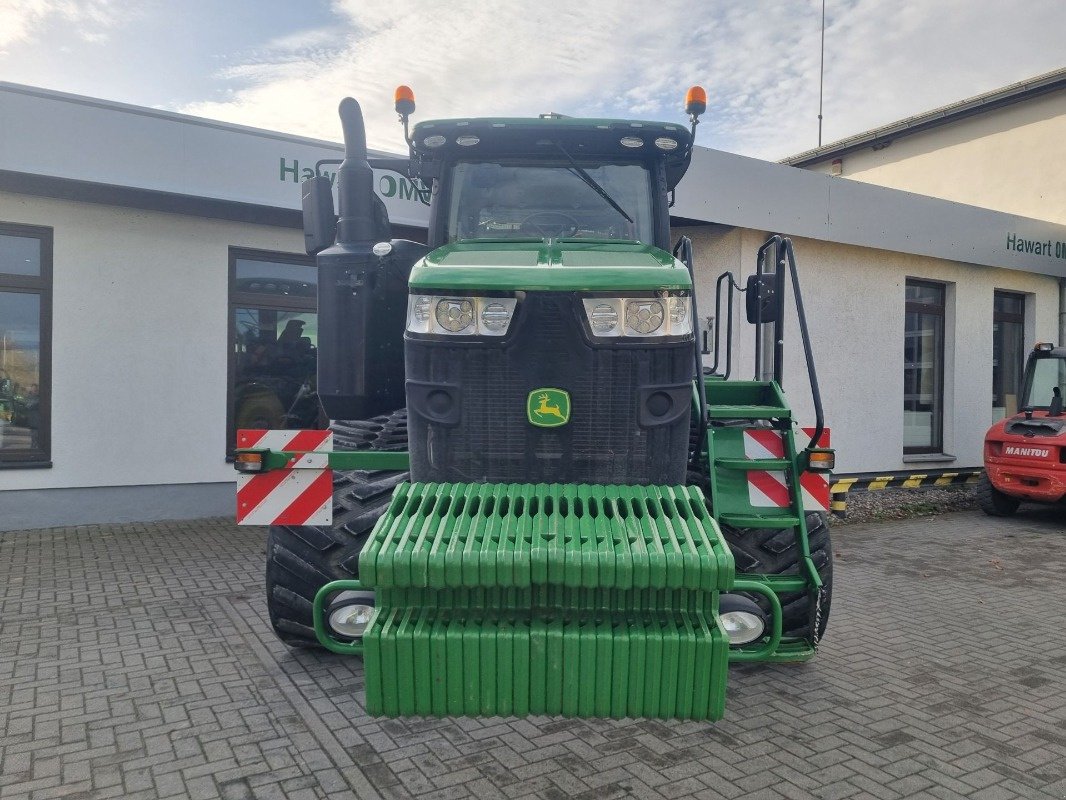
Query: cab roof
pixel 582 138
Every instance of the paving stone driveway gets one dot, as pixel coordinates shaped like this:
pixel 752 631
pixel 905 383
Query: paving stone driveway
pixel 136 661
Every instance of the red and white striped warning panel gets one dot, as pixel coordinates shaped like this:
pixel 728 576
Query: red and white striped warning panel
pixel 300 494
pixel 288 441
pixel 769 489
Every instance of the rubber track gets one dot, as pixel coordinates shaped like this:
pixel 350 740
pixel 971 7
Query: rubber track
pixel 301 559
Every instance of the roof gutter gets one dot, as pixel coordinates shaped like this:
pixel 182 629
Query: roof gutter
pixel 1062 313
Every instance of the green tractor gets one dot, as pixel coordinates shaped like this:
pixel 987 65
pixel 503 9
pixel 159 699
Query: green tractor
pixel 542 499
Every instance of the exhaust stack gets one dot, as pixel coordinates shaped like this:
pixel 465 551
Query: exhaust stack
pixel 362 296
pixel 363 217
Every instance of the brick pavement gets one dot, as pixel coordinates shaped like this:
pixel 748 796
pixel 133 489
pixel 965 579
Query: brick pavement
pixel 136 662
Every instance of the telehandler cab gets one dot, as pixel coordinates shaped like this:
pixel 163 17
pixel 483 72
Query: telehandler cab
pixel 542 501
pixel 1025 455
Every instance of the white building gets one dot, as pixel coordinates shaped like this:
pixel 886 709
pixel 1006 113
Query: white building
pixel 146 257
pixel 1002 149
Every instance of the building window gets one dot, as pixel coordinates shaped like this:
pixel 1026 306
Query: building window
pixel 273 342
pixel 25 345
pixel 1008 352
pixel 923 368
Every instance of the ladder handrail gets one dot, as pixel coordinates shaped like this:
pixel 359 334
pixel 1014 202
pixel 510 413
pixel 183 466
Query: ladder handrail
pixel 731 286
pixel 785 260
pixel 816 394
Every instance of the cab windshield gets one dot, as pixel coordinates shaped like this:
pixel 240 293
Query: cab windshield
pixel 550 201
pixel 1048 373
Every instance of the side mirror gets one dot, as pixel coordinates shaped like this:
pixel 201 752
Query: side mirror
pixel 762 302
pixel 320 221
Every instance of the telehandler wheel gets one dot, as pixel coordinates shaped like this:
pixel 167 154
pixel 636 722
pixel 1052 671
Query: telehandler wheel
pixel 993 502
pixel 301 559
pixel 770 551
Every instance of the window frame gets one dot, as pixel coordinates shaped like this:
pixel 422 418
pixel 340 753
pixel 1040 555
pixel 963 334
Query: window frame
pixel 39 457
pixel 1011 318
pixel 940 311
pixel 237 300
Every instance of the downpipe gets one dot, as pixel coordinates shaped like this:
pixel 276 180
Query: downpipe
pixel 1062 313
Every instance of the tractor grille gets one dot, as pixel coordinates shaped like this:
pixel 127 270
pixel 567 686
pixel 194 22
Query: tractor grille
pixel 481 432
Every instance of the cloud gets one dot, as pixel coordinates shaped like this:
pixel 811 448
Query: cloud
pixel 26 20
pixel 759 62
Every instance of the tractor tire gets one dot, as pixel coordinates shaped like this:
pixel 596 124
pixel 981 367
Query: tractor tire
pixel 260 411
pixel 772 551
pixel 302 559
pixel 994 502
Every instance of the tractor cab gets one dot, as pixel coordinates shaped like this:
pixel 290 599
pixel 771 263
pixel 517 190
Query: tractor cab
pixel 550 178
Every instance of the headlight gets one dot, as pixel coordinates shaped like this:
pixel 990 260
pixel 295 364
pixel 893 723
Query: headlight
pixel 455 314
pixel 678 311
pixel 662 315
pixel 349 613
pixel 351 620
pixel 460 316
pixel 604 318
pixel 742 619
pixel 644 317
pixel 495 317
pixel 742 627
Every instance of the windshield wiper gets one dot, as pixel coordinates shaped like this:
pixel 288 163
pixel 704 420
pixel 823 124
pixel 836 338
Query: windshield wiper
pixel 591 182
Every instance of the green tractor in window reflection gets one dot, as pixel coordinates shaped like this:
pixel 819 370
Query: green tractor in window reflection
pixel 13 405
pixel 543 501
pixel 275 379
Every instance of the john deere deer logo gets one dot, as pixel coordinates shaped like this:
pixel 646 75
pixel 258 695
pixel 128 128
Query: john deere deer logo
pixel 548 408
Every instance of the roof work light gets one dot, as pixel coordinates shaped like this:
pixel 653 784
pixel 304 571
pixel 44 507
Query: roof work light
pixel 405 101
pixel 695 101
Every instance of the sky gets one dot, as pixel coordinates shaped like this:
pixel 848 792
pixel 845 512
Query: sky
pixel 285 65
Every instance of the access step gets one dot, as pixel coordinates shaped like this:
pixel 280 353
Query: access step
pixel 747 412
pixel 759 520
pixel 748 464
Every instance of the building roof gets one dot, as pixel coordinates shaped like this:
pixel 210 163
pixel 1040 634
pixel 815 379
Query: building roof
pixel 979 104
pixel 184 119
pixel 83 150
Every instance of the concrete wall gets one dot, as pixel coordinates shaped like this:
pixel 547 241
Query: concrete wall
pixel 139 337
pixel 1008 159
pixel 854 299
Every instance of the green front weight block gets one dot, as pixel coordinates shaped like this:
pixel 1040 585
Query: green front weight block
pixel 517 599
